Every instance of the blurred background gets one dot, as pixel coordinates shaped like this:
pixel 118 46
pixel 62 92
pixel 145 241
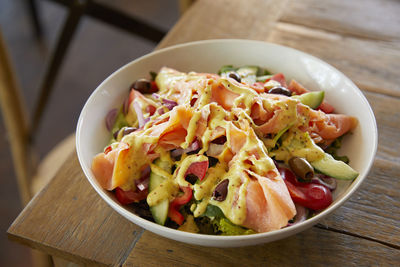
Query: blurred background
pixel 97 49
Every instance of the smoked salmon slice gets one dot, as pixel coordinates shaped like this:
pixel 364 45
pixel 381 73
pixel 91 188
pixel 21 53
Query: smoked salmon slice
pixel 268 203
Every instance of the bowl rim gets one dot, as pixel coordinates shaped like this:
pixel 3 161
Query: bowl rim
pixel 182 236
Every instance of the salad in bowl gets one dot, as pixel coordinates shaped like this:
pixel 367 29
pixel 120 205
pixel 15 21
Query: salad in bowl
pixel 237 152
pixel 226 156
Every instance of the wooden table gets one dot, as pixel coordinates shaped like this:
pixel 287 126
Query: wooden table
pixel 362 39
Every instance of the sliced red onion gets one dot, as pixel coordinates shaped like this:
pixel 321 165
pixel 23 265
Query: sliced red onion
pixel 301 215
pixel 128 130
pixel 143 182
pixel 160 111
pixel 170 104
pixel 324 180
pixel 115 134
pixel 110 118
pixel 193 101
pixel 276 163
pixel 125 106
pixel 214 150
pixel 179 151
pixel 146 172
pixel 139 113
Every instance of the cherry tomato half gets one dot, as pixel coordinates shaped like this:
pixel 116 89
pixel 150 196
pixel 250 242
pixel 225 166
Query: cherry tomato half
pixel 310 195
pixel 198 169
pixel 128 197
pixel 318 197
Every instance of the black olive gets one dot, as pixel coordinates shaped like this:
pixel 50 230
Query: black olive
pixel 234 76
pixel 220 140
pixel 125 131
pixel 128 130
pixel 173 168
pixel 191 178
pixel 279 90
pixel 221 190
pixel 142 85
pixel 212 161
pixel 115 134
pixel 302 168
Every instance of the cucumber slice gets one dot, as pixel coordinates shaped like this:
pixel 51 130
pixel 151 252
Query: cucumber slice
pixel 248 74
pixel 247 70
pixel 334 168
pixel 225 69
pixel 311 99
pixel 263 78
pixel 159 211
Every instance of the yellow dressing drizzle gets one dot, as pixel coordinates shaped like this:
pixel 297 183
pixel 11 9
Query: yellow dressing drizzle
pixel 253 156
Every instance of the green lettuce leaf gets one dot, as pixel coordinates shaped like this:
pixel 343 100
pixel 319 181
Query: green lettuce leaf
pixel 213 218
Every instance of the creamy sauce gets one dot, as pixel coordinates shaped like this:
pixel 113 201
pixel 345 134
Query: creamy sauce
pixel 252 158
pixel 298 144
pixel 130 162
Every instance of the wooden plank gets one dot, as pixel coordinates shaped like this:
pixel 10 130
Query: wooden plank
pixel 371 65
pixel 369 19
pixel 71 221
pixel 373 211
pixel 386 110
pixel 100 236
pixel 376 201
pixel 314 247
pixel 376 204
pixel 209 19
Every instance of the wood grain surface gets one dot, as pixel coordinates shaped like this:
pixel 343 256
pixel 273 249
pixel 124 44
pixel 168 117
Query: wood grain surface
pixel 365 231
pixel 309 248
pixel 222 19
pixel 372 65
pixel 369 19
pixel 376 204
pixel 68 219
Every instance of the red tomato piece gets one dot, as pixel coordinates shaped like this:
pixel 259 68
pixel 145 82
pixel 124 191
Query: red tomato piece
pixel 297 88
pixel 288 175
pixel 296 195
pixel 310 195
pixel 318 196
pixel 279 77
pixel 326 107
pixel 198 169
pixel 177 203
pixel 128 197
pixel 258 86
pixel 150 109
pixel 186 197
pixel 107 149
pixel 154 87
pixel 174 214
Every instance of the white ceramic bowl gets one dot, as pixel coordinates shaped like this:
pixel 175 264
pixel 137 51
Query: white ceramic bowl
pixel 209 56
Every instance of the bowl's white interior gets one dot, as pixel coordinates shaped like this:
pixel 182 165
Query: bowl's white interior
pixel 209 56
